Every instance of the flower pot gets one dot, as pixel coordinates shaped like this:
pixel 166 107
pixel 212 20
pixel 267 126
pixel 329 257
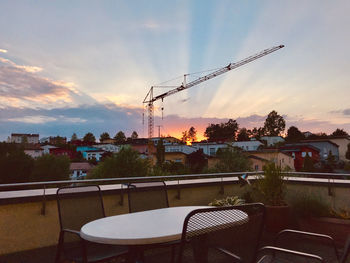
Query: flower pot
pixel 277 218
pixel 337 228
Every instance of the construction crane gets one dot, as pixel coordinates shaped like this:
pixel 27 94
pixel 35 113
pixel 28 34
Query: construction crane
pixel 150 98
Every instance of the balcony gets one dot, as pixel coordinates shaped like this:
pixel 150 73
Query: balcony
pixel 29 218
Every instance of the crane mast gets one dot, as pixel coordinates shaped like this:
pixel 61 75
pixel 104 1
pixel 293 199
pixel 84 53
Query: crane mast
pixel 149 99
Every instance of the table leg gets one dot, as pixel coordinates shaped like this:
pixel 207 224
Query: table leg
pixel 135 254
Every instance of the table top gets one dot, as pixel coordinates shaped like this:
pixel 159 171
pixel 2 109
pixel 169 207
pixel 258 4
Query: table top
pixel 141 228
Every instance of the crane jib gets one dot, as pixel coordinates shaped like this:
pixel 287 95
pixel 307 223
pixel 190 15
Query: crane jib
pixel 214 74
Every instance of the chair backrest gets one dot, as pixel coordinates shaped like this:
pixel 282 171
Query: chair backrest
pixel 236 229
pixel 79 205
pixel 147 196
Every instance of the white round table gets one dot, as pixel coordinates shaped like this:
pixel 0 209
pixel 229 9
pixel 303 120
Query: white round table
pixel 141 228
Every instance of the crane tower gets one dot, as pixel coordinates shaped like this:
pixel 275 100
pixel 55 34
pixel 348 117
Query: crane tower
pixel 150 98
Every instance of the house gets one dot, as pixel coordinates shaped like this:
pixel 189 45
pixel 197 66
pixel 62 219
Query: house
pixel 209 148
pixel 79 170
pixel 108 147
pixel 177 157
pixel 183 148
pixel 25 138
pixel 299 152
pixel 284 160
pixel 93 154
pixel 248 145
pixel 108 141
pixel 33 150
pixel 325 147
pixel 257 163
pixel 46 148
pixel 272 140
pixel 57 140
pixel 342 143
pixel 63 152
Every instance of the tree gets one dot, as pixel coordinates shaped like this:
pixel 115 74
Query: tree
pixel 89 138
pixel 222 132
pixel 192 134
pixel 308 164
pixel 243 135
pixel 50 168
pixel 160 154
pixel 104 136
pixel 184 137
pixel 197 161
pixel 16 166
pixel 74 137
pixel 330 163
pixel 274 124
pixel 339 133
pixel 134 135
pixel 232 160
pixel 294 134
pixel 126 163
pixel 120 137
pixel 256 132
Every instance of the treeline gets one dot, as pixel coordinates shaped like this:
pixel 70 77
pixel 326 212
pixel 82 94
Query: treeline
pixel 18 167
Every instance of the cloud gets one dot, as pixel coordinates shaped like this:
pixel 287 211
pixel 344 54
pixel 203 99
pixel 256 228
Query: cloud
pixel 3 50
pixel 31 69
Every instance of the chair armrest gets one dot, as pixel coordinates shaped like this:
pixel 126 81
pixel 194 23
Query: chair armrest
pixel 71 231
pixel 307 234
pixel 230 254
pixel 290 252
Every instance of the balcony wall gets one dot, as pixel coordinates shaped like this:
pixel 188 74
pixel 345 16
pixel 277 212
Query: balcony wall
pixel 24 227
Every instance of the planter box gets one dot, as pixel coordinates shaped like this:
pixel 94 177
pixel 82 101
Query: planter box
pixel 339 229
pixel 277 218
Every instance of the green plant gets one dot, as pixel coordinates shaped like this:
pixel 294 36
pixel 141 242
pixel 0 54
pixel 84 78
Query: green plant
pixel 310 206
pixel 271 185
pixel 228 201
pixel 340 213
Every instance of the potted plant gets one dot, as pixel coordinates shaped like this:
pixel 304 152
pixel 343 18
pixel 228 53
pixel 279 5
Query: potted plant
pixel 228 201
pixel 271 188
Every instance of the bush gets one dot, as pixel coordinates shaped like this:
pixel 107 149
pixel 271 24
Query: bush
pixel 310 206
pixel 228 201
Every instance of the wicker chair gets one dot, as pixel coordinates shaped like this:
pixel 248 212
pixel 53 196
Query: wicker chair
pixel 222 234
pixel 76 207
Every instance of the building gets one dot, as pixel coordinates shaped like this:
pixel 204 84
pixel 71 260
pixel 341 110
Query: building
pixel 325 147
pixel 33 150
pixel 257 163
pixel 25 138
pixel 47 148
pixel 57 140
pixel 63 152
pixel 79 170
pixel 108 147
pixel 299 152
pixel 93 154
pixel 176 157
pixel 183 148
pixel 342 143
pixel 248 145
pixel 209 148
pixel 284 160
pixel 272 140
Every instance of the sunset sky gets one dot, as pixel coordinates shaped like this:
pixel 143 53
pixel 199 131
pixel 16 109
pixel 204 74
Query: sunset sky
pixel 86 66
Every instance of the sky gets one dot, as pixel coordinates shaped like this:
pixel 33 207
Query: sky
pixel 85 66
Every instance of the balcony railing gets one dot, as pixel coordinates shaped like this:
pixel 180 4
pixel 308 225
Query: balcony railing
pixel 29 218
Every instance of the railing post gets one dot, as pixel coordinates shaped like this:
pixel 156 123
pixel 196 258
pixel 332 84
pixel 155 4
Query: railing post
pixel 178 196
pixel 222 189
pixel 43 208
pixel 121 201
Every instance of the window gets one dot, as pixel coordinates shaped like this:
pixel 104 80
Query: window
pixel 310 154
pixel 293 155
pixel 212 151
pixel 178 160
pixel 303 154
pixel 256 167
